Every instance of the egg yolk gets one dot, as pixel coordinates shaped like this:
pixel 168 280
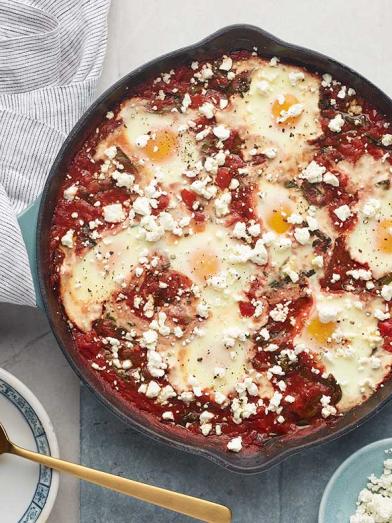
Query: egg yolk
pixel 204 265
pixel 277 220
pixel 320 331
pixel 384 236
pixel 280 106
pixel 161 145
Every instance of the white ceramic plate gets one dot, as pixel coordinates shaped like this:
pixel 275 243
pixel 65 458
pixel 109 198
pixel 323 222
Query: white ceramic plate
pixel 27 490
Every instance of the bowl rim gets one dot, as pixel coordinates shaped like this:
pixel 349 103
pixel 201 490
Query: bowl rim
pixel 218 42
pixel 385 442
pixel 50 433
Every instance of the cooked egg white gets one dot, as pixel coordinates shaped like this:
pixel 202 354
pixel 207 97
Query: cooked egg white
pixel 257 113
pixel 371 239
pixel 358 174
pixel 207 259
pixel 276 204
pixel 87 281
pixel 160 144
pixel 281 211
pixel 342 330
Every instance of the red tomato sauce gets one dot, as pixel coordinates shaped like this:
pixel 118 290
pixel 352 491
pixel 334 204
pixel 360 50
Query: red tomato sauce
pixel 304 376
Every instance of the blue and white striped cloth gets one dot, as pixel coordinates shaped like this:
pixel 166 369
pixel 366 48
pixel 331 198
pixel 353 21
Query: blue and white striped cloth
pixel 51 55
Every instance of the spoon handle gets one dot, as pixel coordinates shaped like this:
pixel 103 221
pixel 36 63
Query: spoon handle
pixel 188 505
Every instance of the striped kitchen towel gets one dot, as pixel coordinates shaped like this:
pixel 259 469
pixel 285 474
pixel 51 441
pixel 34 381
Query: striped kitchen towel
pixel 51 55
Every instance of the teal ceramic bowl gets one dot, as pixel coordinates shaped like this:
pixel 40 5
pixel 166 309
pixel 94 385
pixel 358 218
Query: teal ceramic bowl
pixel 341 493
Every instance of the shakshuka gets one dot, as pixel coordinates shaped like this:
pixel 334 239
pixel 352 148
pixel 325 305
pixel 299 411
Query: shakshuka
pixel 222 249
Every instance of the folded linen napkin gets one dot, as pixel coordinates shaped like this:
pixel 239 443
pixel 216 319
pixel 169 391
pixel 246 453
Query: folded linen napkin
pixel 51 55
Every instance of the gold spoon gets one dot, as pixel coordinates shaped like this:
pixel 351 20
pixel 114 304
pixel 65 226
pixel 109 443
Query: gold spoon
pixel 188 505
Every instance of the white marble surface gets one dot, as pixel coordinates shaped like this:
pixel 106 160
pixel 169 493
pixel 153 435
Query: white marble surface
pixel 29 351
pixel 356 32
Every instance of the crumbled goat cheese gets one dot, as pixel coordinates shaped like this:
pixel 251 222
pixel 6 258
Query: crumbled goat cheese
pixel 327 312
pixel 222 203
pixel 186 102
pixel 202 134
pixel 202 188
pixel 155 364
pixel 254 230
pixel 336 124
pixel 327 80
pixel 207 110
pixel 227 64
pixel 371 207
pixel 386 292
pixel 221 132
pixel 327 409
pixel 295 219
pixel 331 179
pixel 70 192
pixel 207 72
pixel 279 312
pixel 123 179
pixel 142 206
pixel 211 165
pixel 259 254
pixel 270 153
pixel 150 229
pixel 386 140
pixel 302 235
pixel 231 334
pixel 274 402
pixel 295 77
pixel 292 112
pixel 343 212
pixel 142 140
pixel 313 172
pixel 111 152
pixel 150 337
pixel 113 213
pixel 178 332
pixel 187 396
pixel 67 239
pixel 205 417
pixel 220 398
pixel 239 230
pixel 374 504
pixel 318 262
pixel 153 389
pixel 342 93
pixel 293 275
pixel 360 274
pixel 168 415
pixel 167 393
pixel 202 309
pixel 206 429
pixel 235 444
pixel 313 224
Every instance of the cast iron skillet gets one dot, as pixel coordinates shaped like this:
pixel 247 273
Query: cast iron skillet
pixel 227 39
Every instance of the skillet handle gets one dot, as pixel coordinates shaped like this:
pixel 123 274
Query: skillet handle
pixel 28 224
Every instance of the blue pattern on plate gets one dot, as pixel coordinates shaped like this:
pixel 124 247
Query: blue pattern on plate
pixel 45 477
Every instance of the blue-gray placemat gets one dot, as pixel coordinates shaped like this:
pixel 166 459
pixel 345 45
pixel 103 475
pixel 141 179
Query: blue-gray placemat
pixel 290 492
